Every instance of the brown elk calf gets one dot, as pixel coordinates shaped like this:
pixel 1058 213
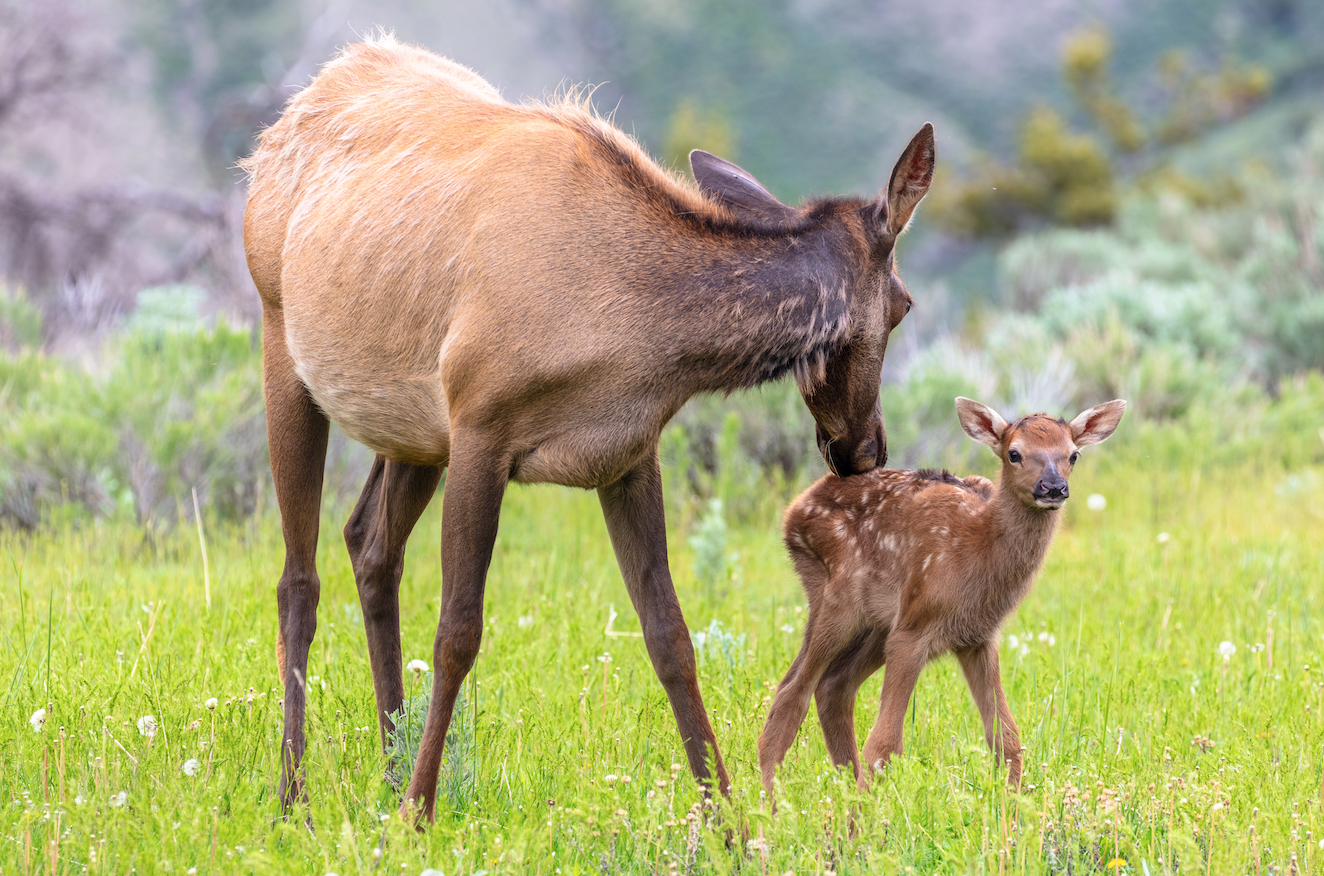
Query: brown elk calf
pixel 903 566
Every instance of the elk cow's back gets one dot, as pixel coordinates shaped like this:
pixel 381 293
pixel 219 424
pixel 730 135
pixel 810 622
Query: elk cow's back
pixel 409 223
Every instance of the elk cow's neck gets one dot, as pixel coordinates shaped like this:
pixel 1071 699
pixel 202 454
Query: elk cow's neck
pixel 762 304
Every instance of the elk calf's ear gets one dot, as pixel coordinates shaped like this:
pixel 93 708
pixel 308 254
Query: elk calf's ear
pixel 1097 423
pixel 981 422
pixel 736 188
pixel 909 183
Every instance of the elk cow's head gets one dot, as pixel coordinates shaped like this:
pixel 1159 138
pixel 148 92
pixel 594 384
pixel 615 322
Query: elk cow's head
pixel 843 395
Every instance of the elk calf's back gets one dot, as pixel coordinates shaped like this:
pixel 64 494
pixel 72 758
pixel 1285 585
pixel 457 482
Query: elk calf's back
pixel 900 567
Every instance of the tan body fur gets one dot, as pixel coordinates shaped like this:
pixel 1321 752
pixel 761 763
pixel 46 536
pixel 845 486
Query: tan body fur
pixel 517 292
pixel 900 567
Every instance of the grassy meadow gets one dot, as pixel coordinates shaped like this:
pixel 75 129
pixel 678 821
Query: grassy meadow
pixel 1149 750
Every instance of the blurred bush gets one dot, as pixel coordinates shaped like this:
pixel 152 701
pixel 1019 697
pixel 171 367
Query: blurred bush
pixel 168 411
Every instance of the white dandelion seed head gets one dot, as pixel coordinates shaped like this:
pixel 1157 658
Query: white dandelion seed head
pixel 38 720
pixel 1163 538
pixel 525 620
pixel 416 666
pixel 787 628
pixel 147 726
pixel 79 800
pixel 191 766
pixel 119 799
pixel 1226 650
pixel 1096 502
pixel 609 778
pixel 1013 642
pixel 210 704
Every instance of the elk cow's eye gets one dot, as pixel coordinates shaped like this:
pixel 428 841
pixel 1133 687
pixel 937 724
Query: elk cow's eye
pixel 909 304
pixel 1075 456
pixel 1014 455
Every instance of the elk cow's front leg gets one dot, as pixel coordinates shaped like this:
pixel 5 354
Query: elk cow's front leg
pixel 392 500
pixel 905 654
pixel 836 694
pixel 471 506
pixel 635 520
pixel 297 432
pixel 982 673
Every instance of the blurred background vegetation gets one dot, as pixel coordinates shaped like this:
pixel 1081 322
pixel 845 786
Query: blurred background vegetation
pixel 1130 203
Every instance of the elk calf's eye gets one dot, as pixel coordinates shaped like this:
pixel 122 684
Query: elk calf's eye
pixel 1074 457
pixel 1014 455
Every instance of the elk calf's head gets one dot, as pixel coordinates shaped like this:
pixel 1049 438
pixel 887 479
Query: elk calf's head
pixel 1038 451
pixel 856 252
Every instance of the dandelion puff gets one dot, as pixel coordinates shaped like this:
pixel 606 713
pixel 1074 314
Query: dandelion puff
pixel 525 620
pixel 147 726
pixel 38 720
pixel 191 766
pixel 79 800
pixel 1226 650
pixel 609 778
pixel 1096 502
pixel 416 666
pixel 119 799
pixel 210 704
pixel 1163 538
pixel 1013 642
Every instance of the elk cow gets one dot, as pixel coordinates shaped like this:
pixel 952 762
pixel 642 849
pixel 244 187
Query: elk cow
pixel 904 566
pixel 519 293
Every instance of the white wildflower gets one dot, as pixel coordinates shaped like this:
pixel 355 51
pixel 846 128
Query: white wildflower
pixel 787 628
pixel 147 726
pixel 79 800
pixel 191 766
pixel 1013 642
pixel 1226 649
pixel 1163 538
pixel 609 778
pixel 416 666
pixel 119 799
pixel 1096 502
pixel 38 720
pixel 211 704
pixel 525 620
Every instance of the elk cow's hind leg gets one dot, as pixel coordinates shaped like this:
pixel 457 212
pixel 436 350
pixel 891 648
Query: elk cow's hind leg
pixel 297 433
pixel 394 497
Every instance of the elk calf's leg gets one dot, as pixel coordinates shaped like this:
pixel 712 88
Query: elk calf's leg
pixel 836 694
pixel 471 505
pixel 823 642
pixel 905 658
pixel 297 433
pixel 984 676
pixel 392 500
pixel 636 523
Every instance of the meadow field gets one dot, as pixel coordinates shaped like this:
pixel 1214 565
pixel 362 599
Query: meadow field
pixel 1165 672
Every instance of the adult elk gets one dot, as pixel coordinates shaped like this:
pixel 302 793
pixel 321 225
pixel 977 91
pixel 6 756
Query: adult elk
pixel 904 566
pixel 520 293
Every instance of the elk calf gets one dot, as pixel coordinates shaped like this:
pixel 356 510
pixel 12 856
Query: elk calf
pixel 903 566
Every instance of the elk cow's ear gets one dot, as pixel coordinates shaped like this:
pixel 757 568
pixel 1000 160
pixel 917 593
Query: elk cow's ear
pixel 736 188
pixel 1097 423
pixel 909 183
pixel 981 422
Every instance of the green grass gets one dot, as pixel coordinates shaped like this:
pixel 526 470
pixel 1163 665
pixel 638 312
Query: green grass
pixel 1146 750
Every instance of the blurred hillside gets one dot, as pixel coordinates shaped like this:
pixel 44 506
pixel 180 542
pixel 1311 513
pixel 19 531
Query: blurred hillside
pixel 1129 202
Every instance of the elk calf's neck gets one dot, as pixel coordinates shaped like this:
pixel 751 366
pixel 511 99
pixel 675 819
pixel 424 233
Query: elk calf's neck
pixel 900 567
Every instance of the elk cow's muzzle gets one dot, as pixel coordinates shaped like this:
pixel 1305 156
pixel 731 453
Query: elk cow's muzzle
pixel 846 457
